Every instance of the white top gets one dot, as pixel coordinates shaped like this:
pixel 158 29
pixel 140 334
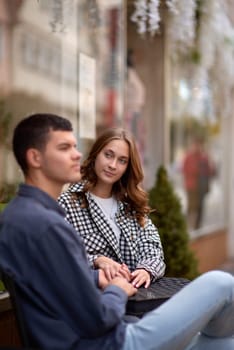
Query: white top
pixel 109 208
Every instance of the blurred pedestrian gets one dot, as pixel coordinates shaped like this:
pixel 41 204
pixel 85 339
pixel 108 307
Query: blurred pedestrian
pixel 197 170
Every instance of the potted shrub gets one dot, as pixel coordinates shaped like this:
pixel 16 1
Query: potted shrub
pixel 168 217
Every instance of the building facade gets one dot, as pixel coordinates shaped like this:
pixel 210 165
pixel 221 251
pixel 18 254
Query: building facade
pixel 86 60
pixel 186 64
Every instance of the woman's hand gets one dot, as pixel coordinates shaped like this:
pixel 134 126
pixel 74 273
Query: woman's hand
pixel 140 277
pixel 119 281
pixel 111 268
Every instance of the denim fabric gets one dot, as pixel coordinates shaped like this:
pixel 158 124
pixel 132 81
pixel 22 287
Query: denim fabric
pixel 200 316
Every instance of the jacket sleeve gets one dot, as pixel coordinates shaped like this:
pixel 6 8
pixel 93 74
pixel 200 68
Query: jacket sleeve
pixel 73 216
pixel 150 250
pixel 71 288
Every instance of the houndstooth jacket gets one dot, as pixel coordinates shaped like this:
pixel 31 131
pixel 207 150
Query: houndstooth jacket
pixel 138 247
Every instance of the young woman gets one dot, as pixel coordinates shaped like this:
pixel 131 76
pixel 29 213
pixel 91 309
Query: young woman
pixel 110 211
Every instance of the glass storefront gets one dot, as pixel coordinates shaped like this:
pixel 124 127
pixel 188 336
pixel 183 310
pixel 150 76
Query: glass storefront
pixel 196 163
pixel 64 57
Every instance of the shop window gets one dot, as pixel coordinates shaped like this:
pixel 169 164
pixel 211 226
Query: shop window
pixel 195 150
pixel 44 5
pixel 69 50
pixel 70 71
pixel 43 57
pixel 55 66
pixel 29 50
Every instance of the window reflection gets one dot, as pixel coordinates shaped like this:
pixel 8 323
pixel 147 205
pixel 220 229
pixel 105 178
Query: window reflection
pixel 198 171
pixel 40 69
pixel 195 142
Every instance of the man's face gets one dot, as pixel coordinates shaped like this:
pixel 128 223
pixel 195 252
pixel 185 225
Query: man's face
pixel 60 160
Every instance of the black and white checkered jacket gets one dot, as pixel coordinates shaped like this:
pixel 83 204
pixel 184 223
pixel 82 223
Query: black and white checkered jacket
pixel 138 247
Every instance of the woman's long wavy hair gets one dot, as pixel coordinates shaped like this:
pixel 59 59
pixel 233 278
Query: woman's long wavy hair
pixel 128 189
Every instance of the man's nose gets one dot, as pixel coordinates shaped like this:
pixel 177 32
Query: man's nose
pixel 77 154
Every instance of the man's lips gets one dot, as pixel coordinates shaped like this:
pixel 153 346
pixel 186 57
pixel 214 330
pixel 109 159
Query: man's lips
pixel 76 167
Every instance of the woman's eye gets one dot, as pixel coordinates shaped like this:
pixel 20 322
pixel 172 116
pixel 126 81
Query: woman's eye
pixel 108 155
pixel 123 161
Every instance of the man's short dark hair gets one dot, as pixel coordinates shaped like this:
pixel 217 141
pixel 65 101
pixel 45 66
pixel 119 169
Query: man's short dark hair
pixel 33 132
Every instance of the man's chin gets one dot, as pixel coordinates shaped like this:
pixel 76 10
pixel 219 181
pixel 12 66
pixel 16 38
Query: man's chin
pixel 75 178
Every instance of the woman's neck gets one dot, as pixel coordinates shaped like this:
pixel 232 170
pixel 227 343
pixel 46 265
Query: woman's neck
pixel 102 191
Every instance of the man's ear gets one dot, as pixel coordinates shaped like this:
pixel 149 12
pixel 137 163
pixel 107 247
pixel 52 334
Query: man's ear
pixel 33 158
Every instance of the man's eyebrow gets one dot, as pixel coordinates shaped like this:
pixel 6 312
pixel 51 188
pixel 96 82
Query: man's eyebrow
pixel 66 143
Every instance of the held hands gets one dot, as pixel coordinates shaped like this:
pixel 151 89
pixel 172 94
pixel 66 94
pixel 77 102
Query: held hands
pixel 111 268
pixel 120 282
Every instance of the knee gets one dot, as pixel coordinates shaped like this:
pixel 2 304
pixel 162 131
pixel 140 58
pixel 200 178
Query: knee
pixel 220 279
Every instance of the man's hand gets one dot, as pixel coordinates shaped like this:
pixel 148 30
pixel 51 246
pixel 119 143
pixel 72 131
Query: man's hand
pixel 122 283
pixel 102 280
pixel 111 268
pixel 140 277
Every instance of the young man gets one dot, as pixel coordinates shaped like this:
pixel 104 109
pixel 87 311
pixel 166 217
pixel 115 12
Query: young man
pixel 61 297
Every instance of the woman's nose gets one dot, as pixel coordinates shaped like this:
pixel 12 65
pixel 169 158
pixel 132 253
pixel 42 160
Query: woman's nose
pixel 112 163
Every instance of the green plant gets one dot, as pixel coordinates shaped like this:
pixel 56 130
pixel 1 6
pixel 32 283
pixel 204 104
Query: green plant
pixel 5 122
pixel 171 223
pixel 2 287
pixel 2 206
pixel 7 192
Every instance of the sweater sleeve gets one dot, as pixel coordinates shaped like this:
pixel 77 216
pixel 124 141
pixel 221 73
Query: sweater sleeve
pixel 70 288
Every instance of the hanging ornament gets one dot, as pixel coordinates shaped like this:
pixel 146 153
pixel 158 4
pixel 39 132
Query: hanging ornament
pixel 153 16
pixel 139 16
pixel 211 36
pixel 181 25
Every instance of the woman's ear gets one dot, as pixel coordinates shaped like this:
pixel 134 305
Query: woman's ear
pixel 33 158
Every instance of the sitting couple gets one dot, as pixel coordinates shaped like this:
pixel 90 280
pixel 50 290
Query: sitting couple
pixel 66 304
pixel 109 209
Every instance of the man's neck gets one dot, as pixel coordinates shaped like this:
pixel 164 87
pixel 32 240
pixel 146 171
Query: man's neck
pixel 52 189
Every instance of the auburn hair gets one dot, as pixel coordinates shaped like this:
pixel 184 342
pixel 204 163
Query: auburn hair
pixel 128 189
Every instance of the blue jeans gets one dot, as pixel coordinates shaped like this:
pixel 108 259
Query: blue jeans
pixel 200 316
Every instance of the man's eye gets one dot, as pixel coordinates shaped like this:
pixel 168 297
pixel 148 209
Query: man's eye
pixel 63 148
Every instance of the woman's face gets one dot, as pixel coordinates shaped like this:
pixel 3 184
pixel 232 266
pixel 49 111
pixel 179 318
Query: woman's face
pixel 112 161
